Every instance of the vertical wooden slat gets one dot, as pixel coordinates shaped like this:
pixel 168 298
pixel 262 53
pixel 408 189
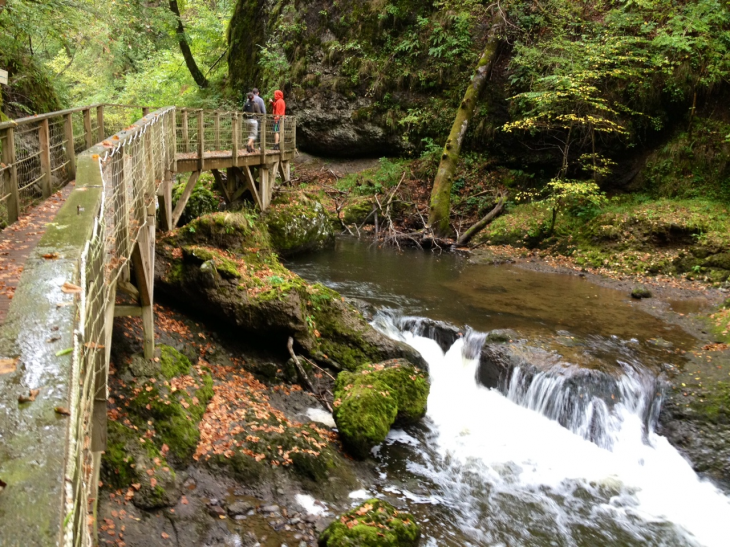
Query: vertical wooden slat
pixel 217 128
pixel 145 110
pixel 234 137
pixel 263 139
pixel 68 131
pixel 13 202
pixel 44 139
pixel 282 138
pixel 100 122
pixel 185 136
pixel 201 139
pixel 87 128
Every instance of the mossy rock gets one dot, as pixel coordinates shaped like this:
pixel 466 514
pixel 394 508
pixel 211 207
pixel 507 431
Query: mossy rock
pixel 373 398
pixel 358 211
pixel 640 292
pixel 374 523
pixel 298 224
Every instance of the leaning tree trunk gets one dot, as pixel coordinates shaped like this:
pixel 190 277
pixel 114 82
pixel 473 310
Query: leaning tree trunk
pixel 440 209
pixel 182 39
pixel 479 226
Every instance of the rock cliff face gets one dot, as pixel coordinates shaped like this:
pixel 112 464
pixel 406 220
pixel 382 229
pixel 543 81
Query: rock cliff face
pixel 363 77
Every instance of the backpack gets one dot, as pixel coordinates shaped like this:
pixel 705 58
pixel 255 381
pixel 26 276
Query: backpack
pixel 248 107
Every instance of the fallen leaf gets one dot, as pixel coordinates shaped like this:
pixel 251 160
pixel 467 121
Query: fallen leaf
pixel 165 536
pixel 62 410
pixel 8 365
pixel 153 482
pixel 30 397
pixel 50 256
pixel 136 486
pixel 93 345
pixel 70 288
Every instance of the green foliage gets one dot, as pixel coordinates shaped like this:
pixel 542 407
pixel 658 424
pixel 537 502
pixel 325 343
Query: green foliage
pixel 374 523
pixel 376 180
pixel 203 200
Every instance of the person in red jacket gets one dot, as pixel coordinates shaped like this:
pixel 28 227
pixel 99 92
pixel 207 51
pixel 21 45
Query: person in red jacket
pixel 279 110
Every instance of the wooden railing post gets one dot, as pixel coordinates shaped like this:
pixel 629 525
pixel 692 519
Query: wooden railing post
pixel 263 139
pixel 172 162
pixel 68 131
pixel 234 137
pixel 145 111
pixel 185 136
pixel 201 140
pixel 294 134
pixel 282 137
pixel 87 128
pixel 217 129
pixel 44 140
pixel 13 202
pixel 100 122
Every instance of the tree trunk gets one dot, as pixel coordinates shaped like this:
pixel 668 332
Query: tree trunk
pixel 440 209
pixel 182 39
pixel 479 226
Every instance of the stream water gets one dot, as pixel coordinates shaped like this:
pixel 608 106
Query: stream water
pixel 539 461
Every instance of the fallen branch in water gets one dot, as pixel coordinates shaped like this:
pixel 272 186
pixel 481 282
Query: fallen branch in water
pixel 303 374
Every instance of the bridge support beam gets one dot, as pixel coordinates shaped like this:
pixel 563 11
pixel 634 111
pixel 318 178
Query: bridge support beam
pixel 164 194
pixel 183 201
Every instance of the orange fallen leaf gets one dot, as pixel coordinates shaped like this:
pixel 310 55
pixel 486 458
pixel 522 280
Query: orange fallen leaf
pixel 165 536
pixel 153 482
pixel 8 365
pixel 50 256
pixel 30 397
pixel 62 410
pixel 70 288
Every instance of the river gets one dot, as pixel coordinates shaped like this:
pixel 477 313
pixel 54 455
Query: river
pixel 524 465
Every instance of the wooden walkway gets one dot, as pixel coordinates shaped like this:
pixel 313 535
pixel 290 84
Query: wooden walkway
pixel 19 239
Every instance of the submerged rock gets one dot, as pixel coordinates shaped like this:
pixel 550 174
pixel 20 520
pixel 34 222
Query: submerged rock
pixel 298 223
pixel 373 398
pixel 640 292
pixel 249 290
pixel 374 523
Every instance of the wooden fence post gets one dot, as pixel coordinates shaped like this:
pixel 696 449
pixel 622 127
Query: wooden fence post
pixel 282 139
pixel 13 203
pixel 145 111
pixel 201 140
pixel 217 129
pixel 44 140
pixel 234 137
pixel 87 128
pixel 68 130
pixel 185 136
pixel 100 122
pixel 263 139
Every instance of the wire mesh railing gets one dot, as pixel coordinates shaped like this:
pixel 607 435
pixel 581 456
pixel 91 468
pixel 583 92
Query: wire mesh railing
pixel 130 172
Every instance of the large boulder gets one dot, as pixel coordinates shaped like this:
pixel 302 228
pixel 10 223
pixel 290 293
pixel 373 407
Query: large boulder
pixel 375 397
pixel 222 266
pixel 297 224
pixel 374 523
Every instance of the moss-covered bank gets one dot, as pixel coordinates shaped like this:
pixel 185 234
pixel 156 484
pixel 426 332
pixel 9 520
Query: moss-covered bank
pixel 222 265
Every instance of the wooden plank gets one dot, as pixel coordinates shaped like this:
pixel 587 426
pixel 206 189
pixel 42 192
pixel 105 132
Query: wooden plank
pixel 164 192
pixel 127 311
pixel 87 129
pixel 180 206
pixel 148 331
pixel 13 202
pixel 264 186
pixel 44 139
pixel 142 271
pixel 145 111
pixel 68 132
pixel 263 140
pixel 100 122
pixel 285 168
pixel 186 165
pixel 282 136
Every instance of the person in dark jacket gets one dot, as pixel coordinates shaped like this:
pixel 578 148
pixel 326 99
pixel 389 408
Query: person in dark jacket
pixel 250 112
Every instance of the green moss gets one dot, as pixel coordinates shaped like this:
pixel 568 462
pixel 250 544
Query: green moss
pixel 714 406
pixel 374 523
pixel 224 266
pixel 298 223
pixel 357 212
pixel 172 362
pixel 370 400
pixel 118 464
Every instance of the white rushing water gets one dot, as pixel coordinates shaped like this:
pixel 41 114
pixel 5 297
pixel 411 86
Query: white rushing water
pixel 513 476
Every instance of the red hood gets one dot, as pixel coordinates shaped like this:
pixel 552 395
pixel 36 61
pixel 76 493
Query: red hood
pixel 278 95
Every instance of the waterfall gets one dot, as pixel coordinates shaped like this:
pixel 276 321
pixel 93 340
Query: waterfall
pixel 564 456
